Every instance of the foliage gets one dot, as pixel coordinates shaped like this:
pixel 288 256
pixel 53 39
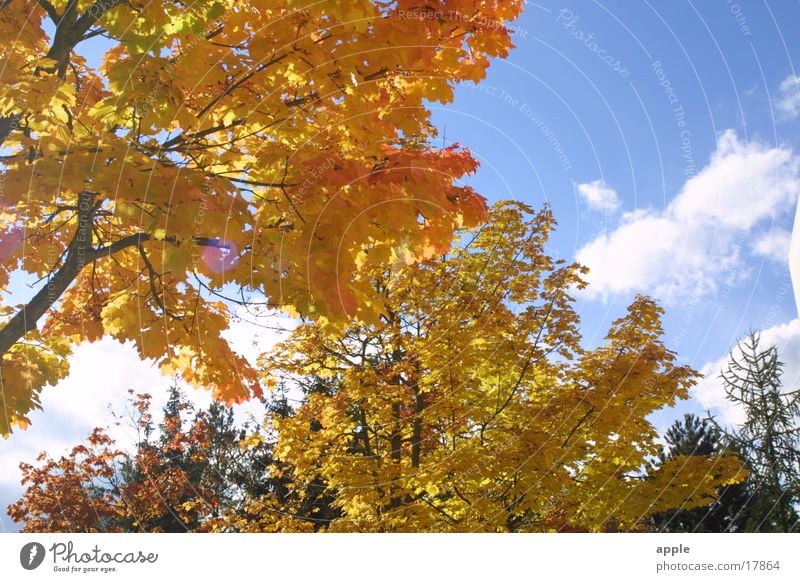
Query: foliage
pixel 769 437
pixel 471 405
pixel 224 148
pixel 178 478
pixel 695 436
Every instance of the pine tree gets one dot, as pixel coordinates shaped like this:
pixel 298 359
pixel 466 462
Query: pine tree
pixel 769 438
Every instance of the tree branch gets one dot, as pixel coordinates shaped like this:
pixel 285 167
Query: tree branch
pixel 152 276
pixel 123 243
pixel 51 11
pixel 577 426
pixel 71 30
pixel 228 90
pixel 79 254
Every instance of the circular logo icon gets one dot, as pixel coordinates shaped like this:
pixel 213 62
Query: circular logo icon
pixel 31 555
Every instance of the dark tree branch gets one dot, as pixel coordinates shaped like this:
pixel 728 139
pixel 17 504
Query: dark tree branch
pixel 449 517
pixel 72 29
pixel 78 256
pixel 179 139
pixel 262 184
pixel 137 239
pixel 577 426
pixel 285 193
pixel 233 86
pixel 51 11
pixel 121 244
pixel 79 253
pixel 152 276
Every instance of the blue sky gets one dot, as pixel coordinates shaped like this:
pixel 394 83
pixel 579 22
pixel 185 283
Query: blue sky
pixel 665 137
pixel 663 134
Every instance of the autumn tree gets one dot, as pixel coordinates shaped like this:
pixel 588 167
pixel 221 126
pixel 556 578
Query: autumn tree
pixel 278 493
pixel 768 438
pixel 225 151
pixel 181 474
pixel 470 404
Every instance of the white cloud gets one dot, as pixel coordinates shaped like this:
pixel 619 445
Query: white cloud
pixel 101 373
pixel 788 101
pixel 774 245
pixel 699 241
pixel 251 333
pixel 710 391
pixel 598 195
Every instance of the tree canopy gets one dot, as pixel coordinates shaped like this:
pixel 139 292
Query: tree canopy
pixel 180 473
pixel 224 151
pixel 471 405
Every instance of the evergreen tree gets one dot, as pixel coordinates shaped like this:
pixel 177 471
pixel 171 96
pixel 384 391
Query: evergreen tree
pixel 176 464
pixel 769 438
pixel 695 436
